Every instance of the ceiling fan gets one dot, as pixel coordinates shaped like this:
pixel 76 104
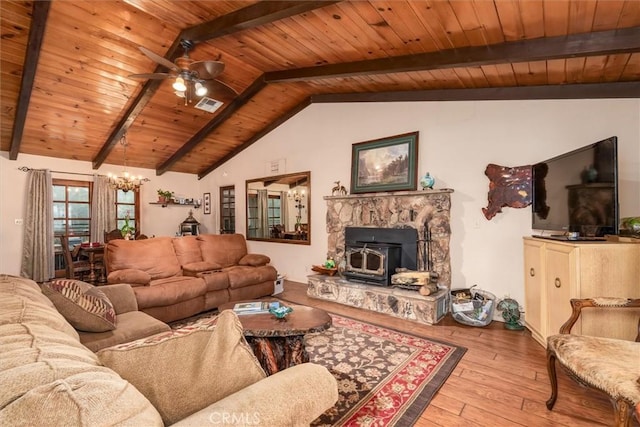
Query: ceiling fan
pixel 191 78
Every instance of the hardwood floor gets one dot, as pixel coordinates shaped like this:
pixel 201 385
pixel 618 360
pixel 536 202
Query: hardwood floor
pixel 501 380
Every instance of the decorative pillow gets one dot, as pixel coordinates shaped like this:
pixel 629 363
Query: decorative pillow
pixel 199 267
pixel 86 307
pixel 131 276
pixel 254 260
pixel 212 364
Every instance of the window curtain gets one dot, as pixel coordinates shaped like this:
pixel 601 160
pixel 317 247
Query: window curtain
pixel 37 240
pixel 284 210
pixel 263 214
pixel 103 208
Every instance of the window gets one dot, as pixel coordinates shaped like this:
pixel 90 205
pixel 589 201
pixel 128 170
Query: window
pixel 227 210
pixel 71 217
pixel 274 210
pixel 72 210
pixel 252 215
pixel 273 213
pixel 128 210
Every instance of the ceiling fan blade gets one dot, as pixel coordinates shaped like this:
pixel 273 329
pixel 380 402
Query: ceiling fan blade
pixel 156 76
pixel 207 70
pixel 220 90
pixel 159 59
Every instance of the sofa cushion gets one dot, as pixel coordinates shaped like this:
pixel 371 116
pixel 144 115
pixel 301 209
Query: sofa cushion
pixel 223 249
pixel 169 291
pixel 212 365
pixel 187 249
pixel 49 378
pixel 241 276
pixel 155 256
pixel 22 301
pixel 254 260
pixel 132 326
pixel 132 276
pixel 216 280
pixel 86 307
pixel 194 268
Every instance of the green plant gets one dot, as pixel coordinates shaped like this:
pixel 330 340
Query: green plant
pixel 126 228
pixel 165 193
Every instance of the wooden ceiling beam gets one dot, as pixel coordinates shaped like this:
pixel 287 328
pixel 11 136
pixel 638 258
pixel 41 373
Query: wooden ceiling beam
pixel 260 13
pixel 271 126
pixel 135 109
pixel 255 87
pixel 569 91
pixel 576 45
pixel 257 14
pixel 36 35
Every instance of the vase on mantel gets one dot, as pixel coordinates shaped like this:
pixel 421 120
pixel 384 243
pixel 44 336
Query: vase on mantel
pixel 427 181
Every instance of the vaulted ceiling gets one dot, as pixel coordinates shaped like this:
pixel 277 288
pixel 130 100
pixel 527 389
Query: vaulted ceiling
pixel 65 66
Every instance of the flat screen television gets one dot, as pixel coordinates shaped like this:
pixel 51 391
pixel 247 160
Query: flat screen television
pixel 577 192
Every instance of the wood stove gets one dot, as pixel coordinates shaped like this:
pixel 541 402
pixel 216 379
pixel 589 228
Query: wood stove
pixel 373 254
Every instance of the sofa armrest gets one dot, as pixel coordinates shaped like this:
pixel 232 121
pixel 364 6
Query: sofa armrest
pixel 293 397
pixel 121 296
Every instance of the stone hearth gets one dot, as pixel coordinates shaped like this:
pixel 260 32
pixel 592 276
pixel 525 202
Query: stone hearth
pixel 426 211
pixel 405 304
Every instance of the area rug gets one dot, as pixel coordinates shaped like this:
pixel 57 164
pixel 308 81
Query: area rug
pixel 385 377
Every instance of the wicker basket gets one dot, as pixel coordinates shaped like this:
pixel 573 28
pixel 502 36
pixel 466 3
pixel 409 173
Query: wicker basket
pixel 473 307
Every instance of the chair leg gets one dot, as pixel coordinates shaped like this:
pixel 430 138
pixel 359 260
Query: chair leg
pixel 622 413
pixel 551 369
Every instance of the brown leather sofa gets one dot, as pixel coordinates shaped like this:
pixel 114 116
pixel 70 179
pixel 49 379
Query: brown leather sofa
pixel 177 277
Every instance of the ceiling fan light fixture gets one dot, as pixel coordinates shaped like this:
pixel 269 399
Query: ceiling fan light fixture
pixel 201 90
pixel 179 85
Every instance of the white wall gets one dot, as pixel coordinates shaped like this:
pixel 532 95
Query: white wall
pixel 457 141
pixel 155 220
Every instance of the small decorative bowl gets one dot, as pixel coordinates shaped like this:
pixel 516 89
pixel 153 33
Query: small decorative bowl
pixel 280 312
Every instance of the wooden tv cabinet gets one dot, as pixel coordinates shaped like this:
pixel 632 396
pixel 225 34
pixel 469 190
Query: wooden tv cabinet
pixel 556 271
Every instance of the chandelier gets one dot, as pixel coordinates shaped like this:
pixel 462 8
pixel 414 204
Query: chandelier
pixel 126 181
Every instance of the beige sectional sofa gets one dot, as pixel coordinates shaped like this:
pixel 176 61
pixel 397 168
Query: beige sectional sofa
pixel 177 277
pixel 194 378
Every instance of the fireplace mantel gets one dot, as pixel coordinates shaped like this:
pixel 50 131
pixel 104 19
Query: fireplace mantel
pixel 427 211
pixel 392 194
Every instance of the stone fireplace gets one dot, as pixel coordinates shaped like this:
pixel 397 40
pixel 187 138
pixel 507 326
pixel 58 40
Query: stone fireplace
pixel 427 213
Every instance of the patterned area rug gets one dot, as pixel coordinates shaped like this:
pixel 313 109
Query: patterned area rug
pixel 385 377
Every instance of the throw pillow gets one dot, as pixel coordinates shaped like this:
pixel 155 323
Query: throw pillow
pixel 131 276
pixel 254 260
pixel 186 373
pixel 86 307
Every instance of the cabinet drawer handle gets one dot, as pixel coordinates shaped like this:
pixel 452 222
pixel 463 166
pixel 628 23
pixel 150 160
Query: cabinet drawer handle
pixel 532 272
pixel 557 282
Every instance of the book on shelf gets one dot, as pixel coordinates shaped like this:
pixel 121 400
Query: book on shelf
pixel 254 307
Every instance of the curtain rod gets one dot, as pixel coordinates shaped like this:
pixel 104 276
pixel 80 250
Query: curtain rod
pixel 27 169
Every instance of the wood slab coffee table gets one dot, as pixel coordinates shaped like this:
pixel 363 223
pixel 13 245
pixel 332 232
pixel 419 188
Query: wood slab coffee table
pixel 279 344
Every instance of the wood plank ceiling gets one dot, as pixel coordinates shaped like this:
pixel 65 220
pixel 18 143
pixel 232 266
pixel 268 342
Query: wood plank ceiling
pixel 65 66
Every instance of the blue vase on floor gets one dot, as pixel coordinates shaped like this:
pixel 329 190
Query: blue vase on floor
pixel 427 181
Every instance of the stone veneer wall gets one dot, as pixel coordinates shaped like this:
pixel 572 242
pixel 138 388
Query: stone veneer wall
pixel 427 209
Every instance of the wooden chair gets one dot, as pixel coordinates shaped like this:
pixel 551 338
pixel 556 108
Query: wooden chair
pixel 76 269
pixel 609 365
pixel 112 235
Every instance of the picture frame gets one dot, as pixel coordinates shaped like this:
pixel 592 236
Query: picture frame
pixel 206 203
pixel 385 164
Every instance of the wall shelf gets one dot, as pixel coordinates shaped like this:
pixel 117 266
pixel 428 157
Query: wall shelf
pixel 164 205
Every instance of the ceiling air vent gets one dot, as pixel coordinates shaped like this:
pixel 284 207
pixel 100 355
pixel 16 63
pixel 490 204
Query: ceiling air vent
pixel 209 104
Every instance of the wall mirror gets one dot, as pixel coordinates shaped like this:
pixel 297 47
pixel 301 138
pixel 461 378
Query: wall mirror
pixel 278 208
